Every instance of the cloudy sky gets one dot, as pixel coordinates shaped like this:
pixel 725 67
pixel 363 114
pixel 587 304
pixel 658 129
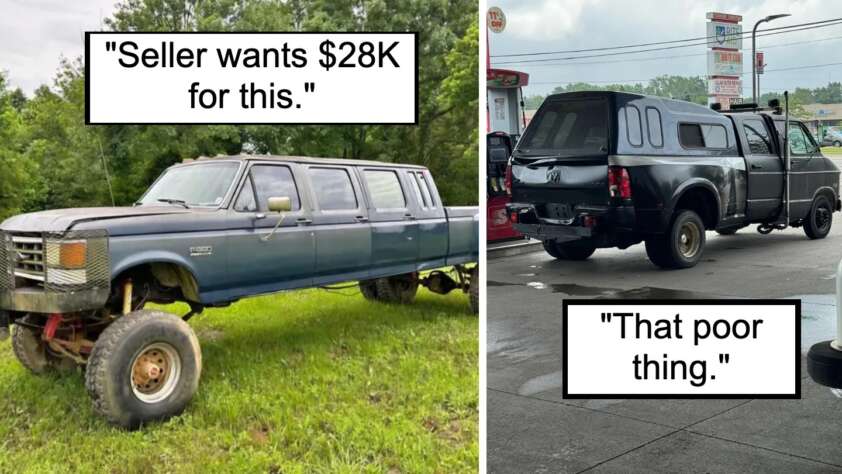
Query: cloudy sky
pixel 34 34
pixel 553 25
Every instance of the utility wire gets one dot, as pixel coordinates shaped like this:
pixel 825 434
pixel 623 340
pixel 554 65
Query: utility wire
pixel 526 61
pixel 620 81
pixel 678 56
pixel 608 48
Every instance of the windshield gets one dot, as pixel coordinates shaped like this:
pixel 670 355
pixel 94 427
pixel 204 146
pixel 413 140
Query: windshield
pixel 195 185
pixel 567 127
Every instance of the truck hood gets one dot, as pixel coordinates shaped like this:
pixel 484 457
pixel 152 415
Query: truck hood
pixel 59 220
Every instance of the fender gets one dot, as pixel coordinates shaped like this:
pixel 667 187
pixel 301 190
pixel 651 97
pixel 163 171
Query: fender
pixel 833 196
pixel 155 256
pixel 679 192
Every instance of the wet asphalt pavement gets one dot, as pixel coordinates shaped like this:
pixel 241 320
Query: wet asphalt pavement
pixel 532 429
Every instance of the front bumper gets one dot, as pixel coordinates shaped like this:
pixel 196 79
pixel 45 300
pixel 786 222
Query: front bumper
pixel 36 300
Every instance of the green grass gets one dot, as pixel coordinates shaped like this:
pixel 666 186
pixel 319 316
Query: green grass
pixel 307 381
pixel 832 150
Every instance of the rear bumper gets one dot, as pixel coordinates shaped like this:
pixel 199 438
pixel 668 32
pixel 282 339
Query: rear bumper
pixel 36 300
pixel 609 222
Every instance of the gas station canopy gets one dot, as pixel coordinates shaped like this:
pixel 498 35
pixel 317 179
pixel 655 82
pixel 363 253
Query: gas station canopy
pixel 504 79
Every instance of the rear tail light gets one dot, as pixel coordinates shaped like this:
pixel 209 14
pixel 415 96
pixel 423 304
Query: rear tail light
pixel 619 184
pixel 589 221
pixel 513 217
pixel 508 181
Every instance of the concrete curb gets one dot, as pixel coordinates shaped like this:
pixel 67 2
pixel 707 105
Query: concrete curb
pixel 512 248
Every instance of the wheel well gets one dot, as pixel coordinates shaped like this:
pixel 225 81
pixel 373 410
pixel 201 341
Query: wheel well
pixel 828 193
pixel 703 202
pixel 159 282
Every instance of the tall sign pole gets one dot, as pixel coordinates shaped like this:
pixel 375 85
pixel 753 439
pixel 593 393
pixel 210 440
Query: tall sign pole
pixel 725 58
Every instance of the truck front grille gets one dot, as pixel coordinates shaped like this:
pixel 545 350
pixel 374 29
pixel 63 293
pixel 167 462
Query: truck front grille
pixel 27 254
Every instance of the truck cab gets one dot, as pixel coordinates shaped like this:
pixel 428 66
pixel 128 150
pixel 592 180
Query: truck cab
pixel 611 169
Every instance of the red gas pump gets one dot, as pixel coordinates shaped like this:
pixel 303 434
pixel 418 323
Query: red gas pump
pixel 506 121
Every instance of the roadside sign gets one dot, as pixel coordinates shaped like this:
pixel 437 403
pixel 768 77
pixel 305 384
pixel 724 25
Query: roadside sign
pixel 758 62
pixel 724 35
pixel 496 20
pixel 721 86
pixel 725 63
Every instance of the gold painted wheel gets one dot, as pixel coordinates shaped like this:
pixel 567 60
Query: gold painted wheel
pixel 155 372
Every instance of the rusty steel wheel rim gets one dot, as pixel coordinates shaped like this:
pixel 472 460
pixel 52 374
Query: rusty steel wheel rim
pixel 689 239
pixel 155 372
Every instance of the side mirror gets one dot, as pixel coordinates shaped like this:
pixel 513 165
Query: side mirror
pixel 280 204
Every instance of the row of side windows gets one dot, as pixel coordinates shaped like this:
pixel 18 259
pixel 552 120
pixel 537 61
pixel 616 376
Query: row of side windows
pixel 334 191
pixel 634 126
pixel 690 135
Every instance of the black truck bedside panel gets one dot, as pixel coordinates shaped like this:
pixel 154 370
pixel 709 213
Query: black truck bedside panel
pixel 612 169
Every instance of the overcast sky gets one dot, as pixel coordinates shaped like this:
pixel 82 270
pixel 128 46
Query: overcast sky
pixel 553 25
pixel 34 34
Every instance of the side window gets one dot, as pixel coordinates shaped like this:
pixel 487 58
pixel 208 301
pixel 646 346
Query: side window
pixel 413 178
pixel 245 202
pixel 702 135
pixel 427 189
pixel 690 135
pixel 798 144
pixel 633 125
pixel 333 189
pixel 757 136
pixel 715 136
pixel 385 189
pixel 267 181
pixel 653 120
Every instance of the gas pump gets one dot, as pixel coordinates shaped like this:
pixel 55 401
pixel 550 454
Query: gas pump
pixel 506 121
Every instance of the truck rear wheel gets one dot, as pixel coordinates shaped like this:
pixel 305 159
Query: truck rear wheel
pixel 32 352
pixel 818 223
pixel 399 289
pixel 575 250
pixel 683 244
pixel 473 290
pixel 369 289
pixel 144 367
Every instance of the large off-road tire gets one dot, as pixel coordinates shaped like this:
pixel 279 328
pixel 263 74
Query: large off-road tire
pixel 29 349
pixel 473 290
pixel 683 244
pixel 820 219
pixel 575 250
pixel 144 367
pixel 400 289
pixel 369 289
pixel 32 352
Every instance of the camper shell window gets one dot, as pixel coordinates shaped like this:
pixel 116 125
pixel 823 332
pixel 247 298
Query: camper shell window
pixel 568 128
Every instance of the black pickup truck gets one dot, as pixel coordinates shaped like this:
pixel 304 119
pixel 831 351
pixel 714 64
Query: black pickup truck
pixel 610 169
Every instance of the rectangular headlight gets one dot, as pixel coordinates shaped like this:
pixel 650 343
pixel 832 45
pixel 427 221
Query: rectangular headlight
pixel 57 276
pixel 71 254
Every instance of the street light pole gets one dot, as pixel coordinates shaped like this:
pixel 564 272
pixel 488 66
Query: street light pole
pixel 753 53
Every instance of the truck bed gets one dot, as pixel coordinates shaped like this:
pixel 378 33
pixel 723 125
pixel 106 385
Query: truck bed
pixel 463 234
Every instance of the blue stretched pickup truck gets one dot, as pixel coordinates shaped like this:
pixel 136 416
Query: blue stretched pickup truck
pixel 210 231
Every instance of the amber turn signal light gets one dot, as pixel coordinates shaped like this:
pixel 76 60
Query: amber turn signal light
pixel 72 254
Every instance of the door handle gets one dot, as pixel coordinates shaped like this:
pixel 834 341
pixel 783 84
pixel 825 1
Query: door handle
pixel 755 166
pixel 361 218
pixel 409 217
pixel 303 221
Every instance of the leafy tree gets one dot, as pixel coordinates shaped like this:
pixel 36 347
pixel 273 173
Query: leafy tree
pixel 13 181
